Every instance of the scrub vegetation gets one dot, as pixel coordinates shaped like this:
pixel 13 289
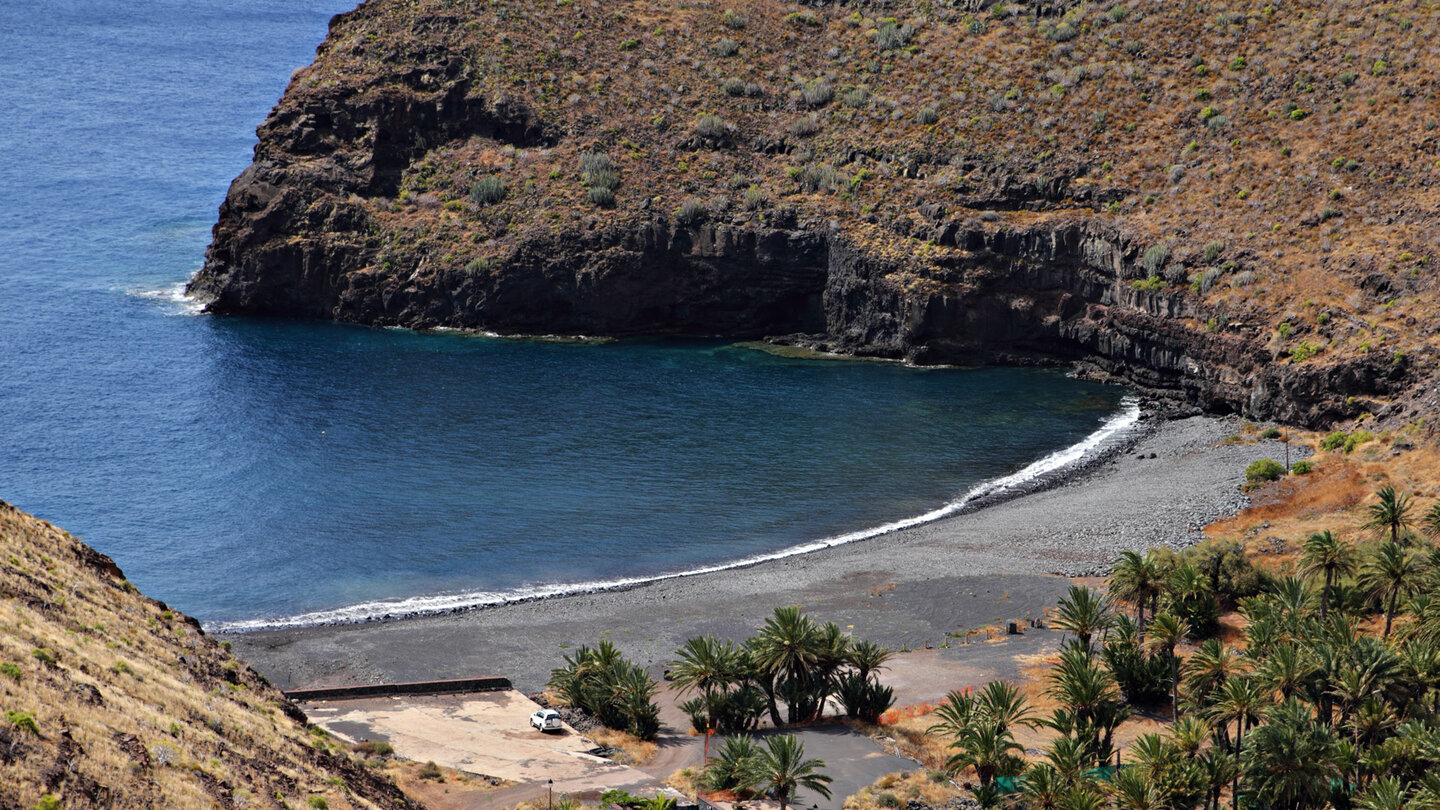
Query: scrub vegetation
pixel 111 699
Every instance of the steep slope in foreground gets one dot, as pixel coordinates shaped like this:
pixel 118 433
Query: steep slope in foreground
pixel 1231 203
pixel 112 700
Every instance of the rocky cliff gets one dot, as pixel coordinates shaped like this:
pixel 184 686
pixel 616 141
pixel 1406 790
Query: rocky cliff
pixel 113 700
pixel 1193 199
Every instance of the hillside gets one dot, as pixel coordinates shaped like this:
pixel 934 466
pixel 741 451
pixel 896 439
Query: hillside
pixel 1231 204
pixel 112 700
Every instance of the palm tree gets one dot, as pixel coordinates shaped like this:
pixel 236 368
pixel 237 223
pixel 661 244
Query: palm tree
pixel 707 664
pixel 782 768
pixel 632 693
pixel 1000 704
pixel 988 750
pixel 1192 597
pixel 1327 555
pixel 867 657
pixel 1421 663
pixel 1288 670
pixel 1080 685
pixel 1291 597
pixel 1238 701
pixel 1084 612
pixel 1217 771
pixel 1369 669
pixel 733 766
pixel 787 648
pixel 1385 793
pixel 1430 524
pixel 1044 787
pixel 955 714
pixel 1135 789
pixel 1427 794
pixel 1289 761
pixel 1137 580
pixel 1391 514
pixel 1166 631
pixel 1209 668
pixel 1087 797
pixel 1091 708
pixel 1068 758
pixel 1190 734
pixel 1391 572
pixel 1154 754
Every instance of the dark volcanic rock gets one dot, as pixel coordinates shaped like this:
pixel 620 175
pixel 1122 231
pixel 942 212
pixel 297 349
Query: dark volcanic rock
pixel 299 234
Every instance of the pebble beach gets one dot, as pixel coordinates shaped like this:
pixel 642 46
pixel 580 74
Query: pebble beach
pixel 1006 559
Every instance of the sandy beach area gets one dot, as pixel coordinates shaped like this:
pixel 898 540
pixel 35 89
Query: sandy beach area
pixel 919 587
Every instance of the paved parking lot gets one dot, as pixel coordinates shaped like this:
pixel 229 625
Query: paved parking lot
pixel 482 733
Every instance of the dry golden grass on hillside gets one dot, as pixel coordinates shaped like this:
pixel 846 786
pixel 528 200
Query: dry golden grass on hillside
pixel 1334 495
pixel 931 788
pixel 1285 156
pixel 111 700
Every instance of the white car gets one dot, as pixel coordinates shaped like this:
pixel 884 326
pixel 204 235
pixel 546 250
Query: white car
pixel 546 720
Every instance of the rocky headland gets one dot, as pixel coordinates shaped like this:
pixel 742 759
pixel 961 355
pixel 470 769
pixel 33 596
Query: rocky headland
pixel 1230 207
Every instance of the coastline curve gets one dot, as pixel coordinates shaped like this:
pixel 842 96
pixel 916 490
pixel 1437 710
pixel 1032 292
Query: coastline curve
pixel 1115 431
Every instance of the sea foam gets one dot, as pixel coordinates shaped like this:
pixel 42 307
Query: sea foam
pixel 1034 474
pixel 176 301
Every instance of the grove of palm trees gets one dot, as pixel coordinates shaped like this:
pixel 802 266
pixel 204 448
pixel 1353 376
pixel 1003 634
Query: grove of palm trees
pixel 792 661
pixel 1313 685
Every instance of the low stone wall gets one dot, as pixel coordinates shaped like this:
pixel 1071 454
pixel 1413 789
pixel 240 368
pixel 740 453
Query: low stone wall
pixel 450 687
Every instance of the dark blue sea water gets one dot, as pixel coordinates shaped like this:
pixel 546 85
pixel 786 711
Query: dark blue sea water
pixel 249 469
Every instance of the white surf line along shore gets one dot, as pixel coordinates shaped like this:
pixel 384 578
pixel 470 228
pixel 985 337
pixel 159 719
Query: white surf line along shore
pixel 1115 426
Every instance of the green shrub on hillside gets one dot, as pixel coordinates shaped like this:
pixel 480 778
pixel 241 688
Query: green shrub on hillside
pixel 712 127
pixel 1154 258
pixel 488 190
pixel 818 93
pixel 1265 469
pixel 23 721
pixel 890 36
pixel 691 211
pixel 1346 441
pixel 1301 468
pixel 1357 438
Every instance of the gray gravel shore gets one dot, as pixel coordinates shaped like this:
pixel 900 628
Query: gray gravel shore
pixel 905 589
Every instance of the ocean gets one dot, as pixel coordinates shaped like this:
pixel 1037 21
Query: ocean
pixel 255 472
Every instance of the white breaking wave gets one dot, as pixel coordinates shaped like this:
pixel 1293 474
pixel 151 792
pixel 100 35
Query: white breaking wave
pixel 174 296
pixel 1113 426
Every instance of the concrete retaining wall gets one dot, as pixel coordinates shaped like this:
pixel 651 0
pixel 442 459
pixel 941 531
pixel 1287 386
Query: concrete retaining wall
pixel 450 687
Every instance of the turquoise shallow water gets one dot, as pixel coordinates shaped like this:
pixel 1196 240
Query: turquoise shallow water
pixel 248 469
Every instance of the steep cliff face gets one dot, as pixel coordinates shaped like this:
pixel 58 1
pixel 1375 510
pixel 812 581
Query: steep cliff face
pixel 848 184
